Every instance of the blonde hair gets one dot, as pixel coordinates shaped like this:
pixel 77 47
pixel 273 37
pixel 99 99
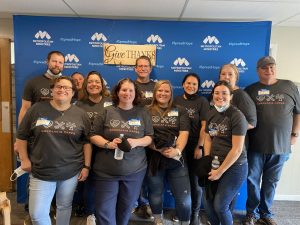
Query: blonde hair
pixel 235 70
pixel 154 107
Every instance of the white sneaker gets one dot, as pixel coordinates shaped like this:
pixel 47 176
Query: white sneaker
pixel 158 221
pixel 91 220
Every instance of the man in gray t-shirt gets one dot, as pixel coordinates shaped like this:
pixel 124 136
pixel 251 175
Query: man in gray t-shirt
pixel 278 123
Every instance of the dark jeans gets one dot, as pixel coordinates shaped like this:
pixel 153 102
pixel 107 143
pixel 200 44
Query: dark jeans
pixel 218 209
pixel 196 190
pixel 264 174
pixel 115 197
pixel 178 179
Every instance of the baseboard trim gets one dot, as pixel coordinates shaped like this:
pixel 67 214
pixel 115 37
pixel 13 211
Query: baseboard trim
pixel 287 197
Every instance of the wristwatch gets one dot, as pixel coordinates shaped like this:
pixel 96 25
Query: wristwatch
pixel 86 167
pixel 179 153
pixel 106 145
pixel 201 147
pixel 295 134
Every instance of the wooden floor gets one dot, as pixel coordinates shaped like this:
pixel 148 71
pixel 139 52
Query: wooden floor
pixel 286 213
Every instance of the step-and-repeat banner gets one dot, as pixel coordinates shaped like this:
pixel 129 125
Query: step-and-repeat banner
pixel 181 47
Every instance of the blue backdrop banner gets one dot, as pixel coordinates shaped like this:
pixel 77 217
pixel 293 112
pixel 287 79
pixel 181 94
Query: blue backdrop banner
pixel 181 47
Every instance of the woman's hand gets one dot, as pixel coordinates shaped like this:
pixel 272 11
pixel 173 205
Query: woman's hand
pixel 84 173
pixel 197 153
pixel 112 145
pixel 26 165
pixel 214 175
pixel 170 152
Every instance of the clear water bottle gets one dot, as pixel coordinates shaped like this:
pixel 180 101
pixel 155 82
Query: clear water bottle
pixel 118 152
pixel 215 163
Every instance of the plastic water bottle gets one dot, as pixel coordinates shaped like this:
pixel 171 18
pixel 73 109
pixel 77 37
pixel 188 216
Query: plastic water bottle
pixel 215 163
pixel 118 152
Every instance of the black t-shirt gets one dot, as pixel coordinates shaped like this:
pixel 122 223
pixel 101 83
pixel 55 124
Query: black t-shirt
pixel 166 128
pixel 196 109
pixel 221 127
pixel 56 138
pixel 110 123
pixel 38 89
pixel 92 108
pixel 275 106
pixel 244 103
pixel 147 91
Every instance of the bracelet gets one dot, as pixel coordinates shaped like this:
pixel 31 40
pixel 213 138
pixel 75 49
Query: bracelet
pixel 86 167
pixel 106 145
pixel 178 152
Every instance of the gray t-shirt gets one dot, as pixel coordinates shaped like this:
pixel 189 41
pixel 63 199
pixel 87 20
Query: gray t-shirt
pixel 221 127
pixel 275 106
pixel 110 123
pixel 37 89
pixel 56 138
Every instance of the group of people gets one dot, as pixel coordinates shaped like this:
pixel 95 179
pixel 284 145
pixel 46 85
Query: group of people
pixel 126 143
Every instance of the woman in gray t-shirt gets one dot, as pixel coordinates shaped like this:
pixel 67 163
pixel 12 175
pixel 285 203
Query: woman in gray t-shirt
pixel 119 177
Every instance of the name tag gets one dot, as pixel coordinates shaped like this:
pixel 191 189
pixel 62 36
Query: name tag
pixel 42 122
pixel 134 122
pixel 106 104
pixel 148 94
pixel 173 113
pixel 263 92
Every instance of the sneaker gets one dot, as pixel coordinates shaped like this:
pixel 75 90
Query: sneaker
pixel 146 212
pixel 249 220
pixel 79 211
pixel 267 221
pixel 91 220
pixel 195 219
pixel 158 221
pixel 175 218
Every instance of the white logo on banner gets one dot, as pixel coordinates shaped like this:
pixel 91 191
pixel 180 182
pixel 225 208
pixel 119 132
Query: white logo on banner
pixel 181 61
pixel 42 38
pixel 72 61
pixel 210 43
pixel 181 64
pixel 240 64
pixel 206 87
pixel 97 40
pixel 208 84
pixel 156 40
pixel 99 37
pixel 211 40
pixel 71 58
pixel 42 34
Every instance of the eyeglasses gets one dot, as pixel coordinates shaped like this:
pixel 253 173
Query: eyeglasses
pixel 65 88
pixel 143 66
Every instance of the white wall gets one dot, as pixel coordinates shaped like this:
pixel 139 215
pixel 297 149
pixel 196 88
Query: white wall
pixel 6 30
pixel 288 59
pixel 286 39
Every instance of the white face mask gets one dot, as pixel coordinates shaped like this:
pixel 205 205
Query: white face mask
pixel 221 109
pixel 53 76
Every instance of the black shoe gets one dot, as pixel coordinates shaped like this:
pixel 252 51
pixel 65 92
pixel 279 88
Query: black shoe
pixel 79 211
pixel 249 220
pixel 267 221
pixel 195 219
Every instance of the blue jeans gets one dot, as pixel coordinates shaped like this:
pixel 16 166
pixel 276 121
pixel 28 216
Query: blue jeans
pixel 264 174
pixel 218 209
pixel 40 196
pixel 196 190
pixel 143 196
pixel 178 179
pixel 115 197
pixel 89 194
